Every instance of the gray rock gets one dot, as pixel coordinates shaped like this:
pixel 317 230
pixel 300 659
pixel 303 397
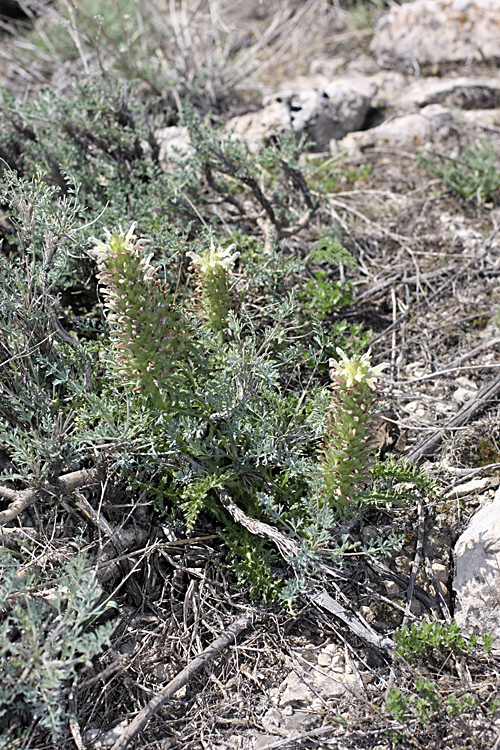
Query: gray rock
pixel 96 739
pixel 406 133
pixel 488 117
pixel 287 723
pixel 261 740
pixel 173 141
pixel 300 691
pixel 477 579
pixel 474 92
pixel 316 107
pixel 434 31
pixel 255 128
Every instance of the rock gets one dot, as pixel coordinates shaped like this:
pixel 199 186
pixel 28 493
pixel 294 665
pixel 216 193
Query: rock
pixel 369 534
pixel 392 588
pixel 300 691
pixel 472 487
pixel 403 564
pixel 406 133
pixel 256 128
pixel 272 720
pixel 324 659
pixel 462 395
pixel 477 579
pixel 95 739
pixel 261 740
pixel 369 615
pixel 440 572
pixel 338 661
pixel 433 31
pixel 173 141
pixel 488 117
pixel 320 109
pixel 474 92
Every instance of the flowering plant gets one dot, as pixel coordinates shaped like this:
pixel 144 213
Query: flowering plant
pixel 212 269
pixel 148 330
pixel 350 444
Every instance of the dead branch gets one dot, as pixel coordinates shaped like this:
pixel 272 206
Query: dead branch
pixel 470 410
pixel 290 549
pixel 416 562
pixel 223 641
pixel 62 486
pixel 325 601
pixel 287 547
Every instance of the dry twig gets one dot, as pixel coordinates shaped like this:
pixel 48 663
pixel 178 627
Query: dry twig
pixel 154 705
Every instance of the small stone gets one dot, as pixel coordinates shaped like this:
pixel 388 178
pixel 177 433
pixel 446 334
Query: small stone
pixel 416 608
pixel 297 691
pixel 331 648
pixel 403 564
pixel 163 672
pixel 262 740
pixel 288 711
pixel 318 706
pixel 271 719
pixel 369 534
pixel 338 662
pixel 466 383
pixel 440 572
pixel 392 588
pixel 324 659
pixel 462 395
pixel 95 739
pixel 442 588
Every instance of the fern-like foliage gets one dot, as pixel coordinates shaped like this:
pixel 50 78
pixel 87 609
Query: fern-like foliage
pixel 43 642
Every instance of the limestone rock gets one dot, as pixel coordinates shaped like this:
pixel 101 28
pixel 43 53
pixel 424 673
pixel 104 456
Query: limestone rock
pixel 255 128
pixel 287 723
pixel 316 107
pixel 95 739
pixel 477 579
pixel 406 133
pixel 474 92
pixel 488 117
pixel 299 691
pixel 173 141
pixel 434 31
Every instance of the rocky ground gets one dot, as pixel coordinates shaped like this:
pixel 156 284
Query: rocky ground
pixel 417 80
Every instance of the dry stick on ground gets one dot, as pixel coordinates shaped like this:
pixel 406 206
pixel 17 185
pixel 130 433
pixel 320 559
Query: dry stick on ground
pixel 290 549
pixel 488 393
pixel 382 285
pixel 62 486
pixel 426 599
pixel 416 562
pixel 222 642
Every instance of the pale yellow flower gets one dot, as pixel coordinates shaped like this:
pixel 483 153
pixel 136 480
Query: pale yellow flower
pixel 357 369
pixel 214 258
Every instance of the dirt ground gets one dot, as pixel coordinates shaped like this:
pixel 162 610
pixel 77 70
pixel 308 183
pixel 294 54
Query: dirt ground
pixel 429 290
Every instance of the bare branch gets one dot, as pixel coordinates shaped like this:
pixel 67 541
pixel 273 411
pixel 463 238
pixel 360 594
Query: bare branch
pixel 63 486
pixel 222 642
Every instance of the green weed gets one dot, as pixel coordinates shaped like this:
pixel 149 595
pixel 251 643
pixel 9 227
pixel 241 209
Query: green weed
pixel 474 175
